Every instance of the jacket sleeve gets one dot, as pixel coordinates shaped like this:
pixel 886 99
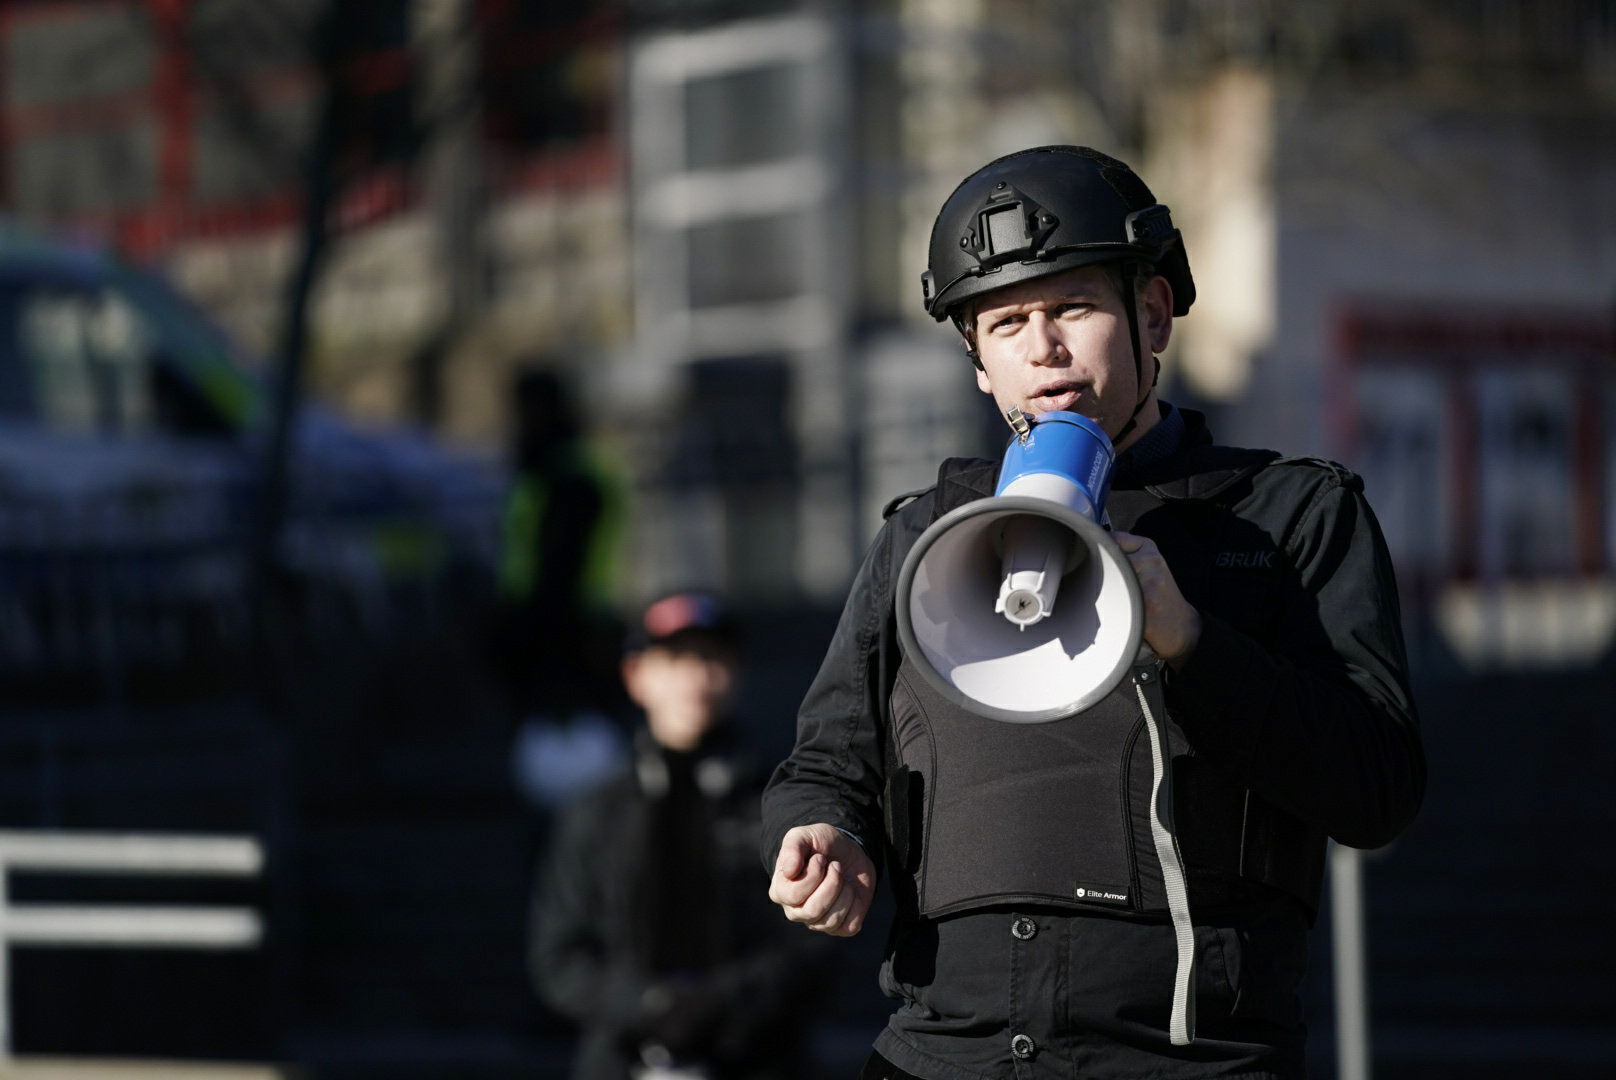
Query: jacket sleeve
pixel 574 968
pixel 1323 723
pixel 835 772
pixel 768 988
pixel 589 967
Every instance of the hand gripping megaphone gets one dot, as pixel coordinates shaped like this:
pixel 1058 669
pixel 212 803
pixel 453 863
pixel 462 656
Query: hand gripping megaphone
pixel 1021 607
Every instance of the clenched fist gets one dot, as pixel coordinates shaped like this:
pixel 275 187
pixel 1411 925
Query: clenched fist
pixel 823 879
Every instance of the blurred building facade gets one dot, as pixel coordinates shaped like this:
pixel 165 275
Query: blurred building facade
pixel 682 197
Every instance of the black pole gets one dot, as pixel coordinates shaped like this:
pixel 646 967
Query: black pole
pixel 320 184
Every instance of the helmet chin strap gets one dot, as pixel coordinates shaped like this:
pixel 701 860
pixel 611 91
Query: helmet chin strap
pixel 970 338
pixel 1130 305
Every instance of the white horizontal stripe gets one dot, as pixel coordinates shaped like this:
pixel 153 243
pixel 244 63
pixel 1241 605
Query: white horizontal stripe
pixel 681 200
pixel 164 927
pixel 131 853
pixel 737 46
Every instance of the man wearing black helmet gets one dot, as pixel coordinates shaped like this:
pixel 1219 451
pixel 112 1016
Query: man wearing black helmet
pixel 1269 601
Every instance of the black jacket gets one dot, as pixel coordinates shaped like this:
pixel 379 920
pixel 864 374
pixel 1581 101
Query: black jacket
pixel 722 986
pixel 1296 693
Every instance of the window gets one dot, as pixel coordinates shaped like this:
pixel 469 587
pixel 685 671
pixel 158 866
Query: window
pixel 1485 439
pixel 86 356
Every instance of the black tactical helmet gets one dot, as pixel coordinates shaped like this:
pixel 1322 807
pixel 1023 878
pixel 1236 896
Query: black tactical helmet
pixel 1044 211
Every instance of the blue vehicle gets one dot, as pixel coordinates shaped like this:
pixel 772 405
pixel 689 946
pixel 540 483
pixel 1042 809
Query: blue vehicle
pixel 132 442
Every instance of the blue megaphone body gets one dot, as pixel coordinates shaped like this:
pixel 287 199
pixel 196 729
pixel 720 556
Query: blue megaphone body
pixel 1064 458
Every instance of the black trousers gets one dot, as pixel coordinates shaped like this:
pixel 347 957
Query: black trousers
pixel 879 1068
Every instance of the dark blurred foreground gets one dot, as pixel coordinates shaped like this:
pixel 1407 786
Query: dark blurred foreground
pixel 400 857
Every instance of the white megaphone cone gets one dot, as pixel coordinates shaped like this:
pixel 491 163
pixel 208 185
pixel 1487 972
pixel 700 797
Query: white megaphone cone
pixel 1021 607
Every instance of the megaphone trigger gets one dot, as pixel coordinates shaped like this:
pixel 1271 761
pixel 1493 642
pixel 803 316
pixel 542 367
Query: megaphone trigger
pixel 1037 554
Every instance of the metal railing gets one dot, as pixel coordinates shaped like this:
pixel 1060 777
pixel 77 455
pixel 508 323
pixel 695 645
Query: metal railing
pixel 122 926
pixel 1352 1053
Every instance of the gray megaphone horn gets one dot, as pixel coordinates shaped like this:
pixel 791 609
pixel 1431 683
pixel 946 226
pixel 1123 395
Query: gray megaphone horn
pixel 1021 607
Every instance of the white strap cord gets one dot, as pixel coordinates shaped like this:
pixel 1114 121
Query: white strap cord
pixel 1181 1024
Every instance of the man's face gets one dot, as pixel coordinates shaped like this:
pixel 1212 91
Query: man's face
pixel 1060 343
pixel 684 691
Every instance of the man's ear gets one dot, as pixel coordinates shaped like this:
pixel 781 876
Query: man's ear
pixel 1156 313
pixel 982 382
pixel 963 322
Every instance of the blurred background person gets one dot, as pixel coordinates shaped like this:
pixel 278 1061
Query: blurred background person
pixel 650 927
pixel 555 634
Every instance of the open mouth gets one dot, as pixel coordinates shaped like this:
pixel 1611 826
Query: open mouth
pixel 1057 396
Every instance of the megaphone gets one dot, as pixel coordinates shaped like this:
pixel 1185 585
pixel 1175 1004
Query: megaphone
pixel 1021 607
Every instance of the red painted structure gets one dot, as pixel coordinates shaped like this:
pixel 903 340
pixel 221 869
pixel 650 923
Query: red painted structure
pixel 180 91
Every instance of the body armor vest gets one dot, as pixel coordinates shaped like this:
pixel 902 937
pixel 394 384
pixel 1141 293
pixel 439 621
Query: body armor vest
pixel 1055 813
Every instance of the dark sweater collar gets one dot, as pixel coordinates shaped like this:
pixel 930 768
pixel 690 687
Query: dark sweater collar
pixel 1164 452
pixel 1194 468
pixel 1159 443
